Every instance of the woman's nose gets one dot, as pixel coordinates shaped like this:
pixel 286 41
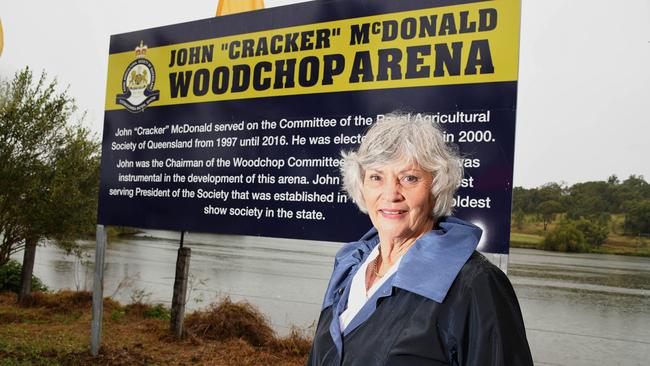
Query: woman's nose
pixel 392 191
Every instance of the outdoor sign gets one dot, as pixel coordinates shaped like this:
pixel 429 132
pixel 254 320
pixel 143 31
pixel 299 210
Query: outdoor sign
pixel 235 124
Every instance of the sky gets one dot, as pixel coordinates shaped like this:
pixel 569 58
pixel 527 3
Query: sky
pixel 584 73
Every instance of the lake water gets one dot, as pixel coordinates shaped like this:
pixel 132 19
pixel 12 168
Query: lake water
pixel 579 309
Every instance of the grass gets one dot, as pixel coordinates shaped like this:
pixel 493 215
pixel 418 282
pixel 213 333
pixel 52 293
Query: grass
pixel 531 234
pixel 521 240
pixel 54 329
pixel 625 245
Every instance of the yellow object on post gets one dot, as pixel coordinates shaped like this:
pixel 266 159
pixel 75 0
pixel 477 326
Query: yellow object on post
pixel 226 7
pixel 1 38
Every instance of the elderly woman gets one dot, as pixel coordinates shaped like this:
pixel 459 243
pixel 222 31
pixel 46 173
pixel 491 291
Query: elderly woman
pixel 414 291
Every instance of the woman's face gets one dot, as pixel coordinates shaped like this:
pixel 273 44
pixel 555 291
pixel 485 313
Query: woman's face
pixel 398 199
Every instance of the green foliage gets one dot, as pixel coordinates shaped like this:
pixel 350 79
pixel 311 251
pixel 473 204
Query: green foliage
pixel 10 278
pixel 633 189
pixel 528 200
pixel 595 232
pixel 566 238
pixel 49 167
pixel 547 211
pixel 591 199
pixel 117 314
pixel 595 201
pixel 637 218
pixel 143 310
pixel 576 236
pixel 158 311
pixel 518 219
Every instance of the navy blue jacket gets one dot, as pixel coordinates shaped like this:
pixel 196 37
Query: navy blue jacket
pixel 445 305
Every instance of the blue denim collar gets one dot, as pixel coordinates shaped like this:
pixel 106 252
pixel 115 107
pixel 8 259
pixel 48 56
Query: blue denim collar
pixel 347 260
pixel 429 267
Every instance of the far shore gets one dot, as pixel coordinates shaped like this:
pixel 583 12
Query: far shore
pixel 619 245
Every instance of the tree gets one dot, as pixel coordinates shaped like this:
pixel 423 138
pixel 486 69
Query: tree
pixel 521 199
pixel 591 200
pixel 518 219
pixel 613 180
pixel 528 200
pixel 637 218
pixel 551 192
pixel 49 170
pixel 547 211
pixel 632 190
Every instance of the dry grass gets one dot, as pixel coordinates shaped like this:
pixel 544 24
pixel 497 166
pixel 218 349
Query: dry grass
pixel 229 320
pixel 55 330
pixel 296 344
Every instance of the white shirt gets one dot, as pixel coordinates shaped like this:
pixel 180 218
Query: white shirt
pixel 358 295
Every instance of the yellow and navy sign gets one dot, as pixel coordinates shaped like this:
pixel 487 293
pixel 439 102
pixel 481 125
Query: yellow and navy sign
pixel 458 44
pixel 236 124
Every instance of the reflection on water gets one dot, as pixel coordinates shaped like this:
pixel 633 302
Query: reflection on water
pixel 584 309
pixel 579 309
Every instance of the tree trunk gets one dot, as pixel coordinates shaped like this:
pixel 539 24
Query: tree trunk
pixel 28 268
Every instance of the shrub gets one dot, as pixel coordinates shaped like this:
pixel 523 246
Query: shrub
pixel 117 314
pixel 158 311
pixel 595 232
pixel 566 237
pixel 10 278
pixel 144 310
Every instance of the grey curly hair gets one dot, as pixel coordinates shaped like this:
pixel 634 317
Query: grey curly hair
pixel 396 137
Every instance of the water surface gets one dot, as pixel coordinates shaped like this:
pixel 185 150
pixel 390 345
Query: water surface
pixel 579 309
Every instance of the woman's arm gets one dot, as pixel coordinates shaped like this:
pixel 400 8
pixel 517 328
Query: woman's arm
pixel 483 323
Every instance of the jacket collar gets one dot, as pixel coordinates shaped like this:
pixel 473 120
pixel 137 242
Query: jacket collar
pixel 345 263
pixel 428 268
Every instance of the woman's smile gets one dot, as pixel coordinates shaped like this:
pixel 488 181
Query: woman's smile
pixel 399 201
pixel 392 213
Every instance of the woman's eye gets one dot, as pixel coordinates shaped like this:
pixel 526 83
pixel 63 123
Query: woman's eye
pixel 410 179
pixel 374 177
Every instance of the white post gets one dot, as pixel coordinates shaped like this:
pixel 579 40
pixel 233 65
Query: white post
pixel 98 291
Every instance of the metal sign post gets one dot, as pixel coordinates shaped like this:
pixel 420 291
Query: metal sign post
pixel 98 291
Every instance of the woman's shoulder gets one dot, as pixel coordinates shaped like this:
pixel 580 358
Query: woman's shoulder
pixel 479 265
pixel 478 270
pixel 481 283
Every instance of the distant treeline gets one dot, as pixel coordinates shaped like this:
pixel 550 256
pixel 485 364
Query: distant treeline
pixel 583 215
pixel 596 200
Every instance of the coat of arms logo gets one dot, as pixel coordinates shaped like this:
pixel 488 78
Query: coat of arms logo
pixel 138 83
